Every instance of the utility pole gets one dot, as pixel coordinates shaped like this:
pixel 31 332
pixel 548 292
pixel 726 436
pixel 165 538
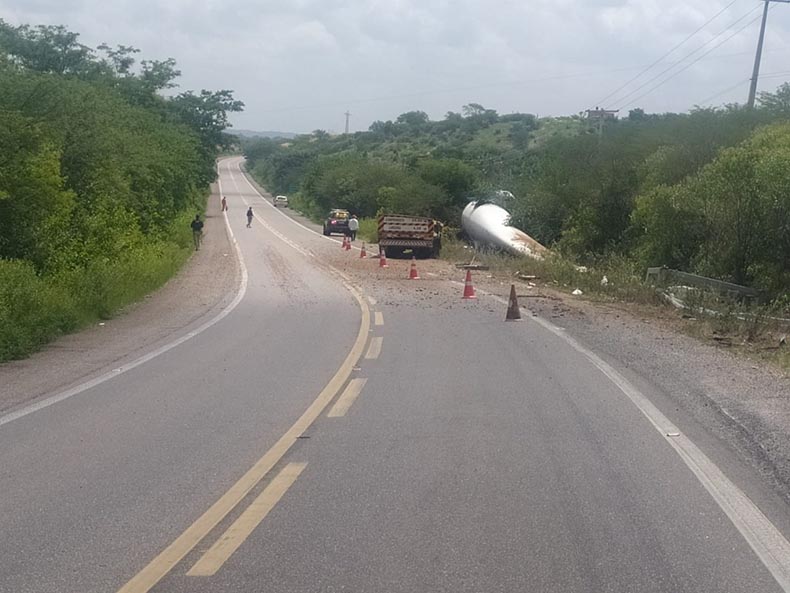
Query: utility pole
pixel 759 55
pixel 348 115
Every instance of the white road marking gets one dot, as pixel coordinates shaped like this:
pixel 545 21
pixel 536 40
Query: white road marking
pixel 59 397
pixel 296 222
pixel 271 229
pixel 379 317
pixel 173 554
pixel 349 396
pixel 375 348
pixel 767 542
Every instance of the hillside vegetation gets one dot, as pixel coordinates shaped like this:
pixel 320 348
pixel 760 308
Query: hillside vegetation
pixel 705 191
pixel 99 176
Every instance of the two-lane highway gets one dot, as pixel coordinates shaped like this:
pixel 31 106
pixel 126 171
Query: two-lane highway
pixel 95 486
pixel 330 437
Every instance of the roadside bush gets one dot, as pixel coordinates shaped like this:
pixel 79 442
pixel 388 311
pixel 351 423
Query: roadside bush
pixel 303 205
pixel 106 286
pixel 99 177
pixel 369 230
pixel 32 311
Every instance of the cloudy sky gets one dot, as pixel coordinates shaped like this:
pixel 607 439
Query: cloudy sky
pixel 300 64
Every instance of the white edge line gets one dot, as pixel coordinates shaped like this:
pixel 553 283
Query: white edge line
pixel 765 540
pixel 283 214
pixel 59 397
pixel 347 282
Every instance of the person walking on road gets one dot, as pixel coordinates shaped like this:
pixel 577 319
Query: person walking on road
pixel 224 204
pixel 249 217
pixel 353 227
pixel 197 231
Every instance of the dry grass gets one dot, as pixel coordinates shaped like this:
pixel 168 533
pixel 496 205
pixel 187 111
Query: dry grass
pixel 621 279
pixel 750 330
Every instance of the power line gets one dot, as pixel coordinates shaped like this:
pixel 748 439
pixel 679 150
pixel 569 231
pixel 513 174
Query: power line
pixel 687 56
pixel 725 91
pixel 513 83
pixel 453 90
pixel 667 54
pixel 739 83
pixel 775 74
pixel 687 66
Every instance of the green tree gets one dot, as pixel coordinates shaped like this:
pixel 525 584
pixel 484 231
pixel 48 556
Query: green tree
pixel 207 114
pixel 776 103
pixel 96 173
pixel 670 229
pixel 51 49
pixel 415 120
pixel 457 181
pixel 35 206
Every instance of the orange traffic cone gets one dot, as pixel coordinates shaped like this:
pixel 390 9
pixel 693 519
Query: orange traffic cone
pixel 363 253
pixel 413 275
pixel 469 290
pixel 383 259
pixel 513 311
pixel 348 243
pixel 343 244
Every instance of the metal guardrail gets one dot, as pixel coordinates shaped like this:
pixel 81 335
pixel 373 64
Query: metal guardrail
pixel 665 277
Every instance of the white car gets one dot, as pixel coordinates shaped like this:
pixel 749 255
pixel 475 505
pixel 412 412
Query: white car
pixel 280 201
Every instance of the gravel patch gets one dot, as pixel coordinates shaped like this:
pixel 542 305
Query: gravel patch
pixel 742 402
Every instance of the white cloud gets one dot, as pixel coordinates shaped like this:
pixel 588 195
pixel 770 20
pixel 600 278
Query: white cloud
pixel 330 55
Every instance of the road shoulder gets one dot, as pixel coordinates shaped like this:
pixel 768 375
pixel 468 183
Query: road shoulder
pixel 205 285
pixel 741 402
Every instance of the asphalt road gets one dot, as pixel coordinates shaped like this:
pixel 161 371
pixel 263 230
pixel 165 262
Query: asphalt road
pixel 442 450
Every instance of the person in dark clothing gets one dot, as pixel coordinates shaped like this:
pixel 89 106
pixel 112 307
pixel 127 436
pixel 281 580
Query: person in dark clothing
pixel 249 217
pixel 197 231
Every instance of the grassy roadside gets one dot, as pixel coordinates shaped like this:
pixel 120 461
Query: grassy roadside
pixel 755 331
pixel 619 281
pixel 35 309
pixel 368 230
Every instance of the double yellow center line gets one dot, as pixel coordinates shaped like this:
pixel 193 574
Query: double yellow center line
pixel 160 566
pixel 242 527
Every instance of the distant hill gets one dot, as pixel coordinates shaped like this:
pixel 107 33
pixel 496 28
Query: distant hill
pixel 264 134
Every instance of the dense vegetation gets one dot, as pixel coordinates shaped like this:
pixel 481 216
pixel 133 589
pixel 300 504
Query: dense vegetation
pixel 707 191
pixel 99 176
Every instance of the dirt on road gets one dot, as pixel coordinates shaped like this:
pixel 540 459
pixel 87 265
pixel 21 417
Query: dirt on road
pixel 742 402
